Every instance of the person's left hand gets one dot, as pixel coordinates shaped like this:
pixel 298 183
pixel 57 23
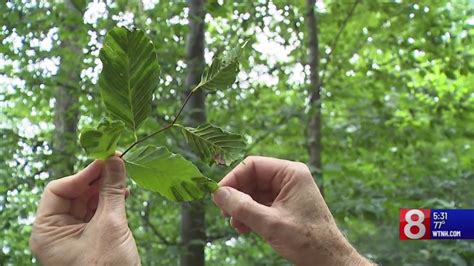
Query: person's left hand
pixel 81 219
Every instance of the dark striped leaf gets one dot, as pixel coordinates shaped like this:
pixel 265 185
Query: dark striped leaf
pixel 213 144
pixel 101 143
pixel 129 75
pixel 159 170
pixel 222 71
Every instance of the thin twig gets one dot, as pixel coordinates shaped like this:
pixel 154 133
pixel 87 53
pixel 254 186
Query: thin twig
pixel 182 107
pixel 334 42
pixel 277 126
pixel 362 41
pixel 161 129
pixel 146 220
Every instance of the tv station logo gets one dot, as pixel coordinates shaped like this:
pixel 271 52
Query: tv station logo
pixel 419 224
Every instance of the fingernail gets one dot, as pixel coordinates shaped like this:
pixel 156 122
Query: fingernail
pixel 221 195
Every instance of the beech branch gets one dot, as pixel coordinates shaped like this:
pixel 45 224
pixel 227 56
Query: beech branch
pixel 336 40
pixel 163 128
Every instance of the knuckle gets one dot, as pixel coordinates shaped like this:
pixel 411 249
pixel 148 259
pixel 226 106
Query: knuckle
pixel 51 184
pixel 114 223
pixel 250 159
pixel 301 168
pixel 34 244
pixel 113 190
pixel 241 209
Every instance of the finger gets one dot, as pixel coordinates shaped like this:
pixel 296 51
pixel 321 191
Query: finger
pixel 243 208
pixel 256 173
pixel 112 188
pixel 127 193
pixel 58 194
pixel 91 205
pixel 78 209
pixel 93 202
pixel 239 226
pixel 73 186
pixel 265 198
pixel 80 205
pixel 243 230
pixel 88 216
pixel 223 213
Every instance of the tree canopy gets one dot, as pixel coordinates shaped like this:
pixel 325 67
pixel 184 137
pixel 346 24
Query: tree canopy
pixel 396 102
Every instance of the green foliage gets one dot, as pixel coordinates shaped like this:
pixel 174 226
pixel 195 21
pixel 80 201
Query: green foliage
pixel 129 76
pixel 397 112
pixel 222 72
pixel 169 174
pixel 128 80
pixel 213 144
pixel 101 143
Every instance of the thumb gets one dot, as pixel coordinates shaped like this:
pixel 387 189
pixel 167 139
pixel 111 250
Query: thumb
pixel 112 189
pixel 243 208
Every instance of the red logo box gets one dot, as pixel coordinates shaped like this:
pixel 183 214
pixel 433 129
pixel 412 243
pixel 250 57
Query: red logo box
pixel 415 224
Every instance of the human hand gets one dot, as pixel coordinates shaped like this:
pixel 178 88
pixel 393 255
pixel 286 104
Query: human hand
pixel 280 201
pixel 81 219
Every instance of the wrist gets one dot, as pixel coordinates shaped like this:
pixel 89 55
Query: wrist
pixel 356 259
pixel 328 247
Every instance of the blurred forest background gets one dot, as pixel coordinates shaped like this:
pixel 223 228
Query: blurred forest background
pixel 377 97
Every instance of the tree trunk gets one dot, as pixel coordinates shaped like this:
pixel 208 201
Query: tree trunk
pixel 66 108
pixel 314 122
pixel 66 115
pixel 193 234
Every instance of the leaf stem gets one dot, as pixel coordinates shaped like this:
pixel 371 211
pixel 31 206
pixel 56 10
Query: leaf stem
pixel 182 107
pixel 163 128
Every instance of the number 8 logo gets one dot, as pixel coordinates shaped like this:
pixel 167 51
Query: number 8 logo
pixel 410 223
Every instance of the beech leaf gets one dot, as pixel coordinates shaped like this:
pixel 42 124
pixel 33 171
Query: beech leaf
pixel 213 144
pixel 101 143
pixel 222 72
pixel 129 76
pixel 157 169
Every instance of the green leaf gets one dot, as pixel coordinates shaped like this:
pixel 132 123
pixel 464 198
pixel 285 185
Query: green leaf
pixel 222 71
pixel 129 76
pixel 101 143
pixel 159 170
pixel 214 144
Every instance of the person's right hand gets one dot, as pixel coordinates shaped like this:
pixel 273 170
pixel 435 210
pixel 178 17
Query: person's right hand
pixel 280 201
pixel 81 219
